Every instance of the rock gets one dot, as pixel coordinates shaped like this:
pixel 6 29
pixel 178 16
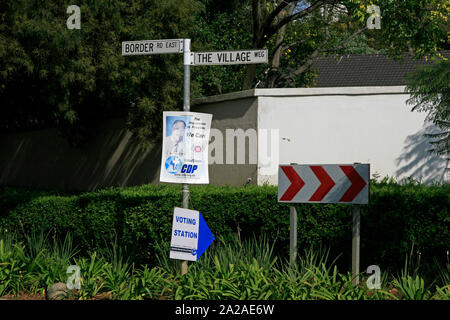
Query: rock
pixel 57 291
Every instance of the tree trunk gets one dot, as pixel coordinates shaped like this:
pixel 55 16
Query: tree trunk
pixel 249 76
pixel 257 35
pixel 273 72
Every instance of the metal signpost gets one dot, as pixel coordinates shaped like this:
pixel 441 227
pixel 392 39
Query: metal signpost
pixel 329 183
pixel 186 107
pixel 165 46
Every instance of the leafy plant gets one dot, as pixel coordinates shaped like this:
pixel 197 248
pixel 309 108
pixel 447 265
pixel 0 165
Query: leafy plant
pixel 12 266
pixel 412 288
pixel 92 271
pixel 152 283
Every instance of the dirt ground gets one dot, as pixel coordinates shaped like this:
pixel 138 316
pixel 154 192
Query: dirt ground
pixel 41 296
pixel 24 296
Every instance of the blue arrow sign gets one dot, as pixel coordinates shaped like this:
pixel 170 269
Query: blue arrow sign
pixel 205 237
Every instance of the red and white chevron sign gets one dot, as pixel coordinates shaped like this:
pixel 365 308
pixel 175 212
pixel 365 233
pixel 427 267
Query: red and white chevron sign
pixel 326 183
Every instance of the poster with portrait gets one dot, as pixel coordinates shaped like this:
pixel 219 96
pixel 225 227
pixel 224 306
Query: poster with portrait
pixel 185 147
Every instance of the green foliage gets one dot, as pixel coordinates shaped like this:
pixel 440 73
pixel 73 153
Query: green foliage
pixel 412 288
pixel 11 266
pixel 443 293
pixel 430 93
pixel 220 29
pixel 34 266
pixel 53 76
pixel 231 269
pixel 418 26
pixel 72 79
pixel 91 270
pixel 398 217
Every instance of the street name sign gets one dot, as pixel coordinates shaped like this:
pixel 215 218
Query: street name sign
pixel 190 235
pixel 229 57
pixel 327 183
pixel 146 47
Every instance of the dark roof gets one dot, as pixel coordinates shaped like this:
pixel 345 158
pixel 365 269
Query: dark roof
pixel 355 70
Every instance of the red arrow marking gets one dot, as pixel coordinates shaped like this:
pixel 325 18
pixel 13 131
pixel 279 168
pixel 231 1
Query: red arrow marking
pixel 357 181
pixel 326 183
pixel 296 184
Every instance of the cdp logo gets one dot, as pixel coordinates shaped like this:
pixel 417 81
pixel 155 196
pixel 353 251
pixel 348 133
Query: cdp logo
pixel 188 168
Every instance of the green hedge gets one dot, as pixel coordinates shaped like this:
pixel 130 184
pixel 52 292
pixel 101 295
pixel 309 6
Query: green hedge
pixel 398 218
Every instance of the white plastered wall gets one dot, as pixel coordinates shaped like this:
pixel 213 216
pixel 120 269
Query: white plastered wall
pixel 345 125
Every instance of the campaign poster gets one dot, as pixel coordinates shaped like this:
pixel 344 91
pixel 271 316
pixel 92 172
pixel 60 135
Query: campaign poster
pixel 185 147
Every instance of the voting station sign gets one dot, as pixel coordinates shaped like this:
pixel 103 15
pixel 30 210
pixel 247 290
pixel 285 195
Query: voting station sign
pixel 145 47
pixel 190 235
pixel 324 183
pixel 229 57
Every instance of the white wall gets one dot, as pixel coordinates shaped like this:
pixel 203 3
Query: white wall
pixel 338 125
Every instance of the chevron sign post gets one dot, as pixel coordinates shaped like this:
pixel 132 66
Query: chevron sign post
pixel 325 183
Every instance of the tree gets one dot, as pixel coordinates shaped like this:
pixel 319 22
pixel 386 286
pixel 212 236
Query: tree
pixel 414 25
pixel 74 79
pixel 222 26
pixel 50 75
pixel 430 92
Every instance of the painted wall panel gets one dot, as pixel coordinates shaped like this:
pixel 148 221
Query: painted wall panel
pixel 377 129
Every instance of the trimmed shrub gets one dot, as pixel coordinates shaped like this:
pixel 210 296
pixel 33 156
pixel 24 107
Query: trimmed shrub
pixel 398 218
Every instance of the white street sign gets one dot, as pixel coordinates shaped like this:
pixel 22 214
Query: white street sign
pixel 144 47
pixel 229 57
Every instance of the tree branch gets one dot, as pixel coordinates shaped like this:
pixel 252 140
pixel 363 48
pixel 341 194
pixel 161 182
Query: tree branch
pixel 325 21
pixel 342 44
pixel 271 17
pixel 283 49
pixel 320 49
pixel 298 15
pixel 257 18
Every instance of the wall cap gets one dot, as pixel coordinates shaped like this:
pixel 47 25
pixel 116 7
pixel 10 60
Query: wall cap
pixel 293 92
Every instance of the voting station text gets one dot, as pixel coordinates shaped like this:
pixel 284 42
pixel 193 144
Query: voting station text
pixel 184 233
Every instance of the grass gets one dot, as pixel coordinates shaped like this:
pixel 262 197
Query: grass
pixel 230 269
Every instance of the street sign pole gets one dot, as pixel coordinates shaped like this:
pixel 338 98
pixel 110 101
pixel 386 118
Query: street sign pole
pixel 186 107
pixel 166 46
pixel 293 235
pixel 327 183
pixel 355 243
pixel 356 231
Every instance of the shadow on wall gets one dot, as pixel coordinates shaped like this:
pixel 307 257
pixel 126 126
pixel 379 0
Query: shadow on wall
pixel 42 159
pixel 122 161
pixel 417 162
